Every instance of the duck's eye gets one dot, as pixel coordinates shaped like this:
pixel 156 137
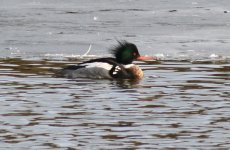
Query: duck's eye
pixel 134 54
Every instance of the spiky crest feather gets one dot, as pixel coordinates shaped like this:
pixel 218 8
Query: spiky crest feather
pixel 125 52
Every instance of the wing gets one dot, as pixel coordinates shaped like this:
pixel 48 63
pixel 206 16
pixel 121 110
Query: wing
pixel 97 68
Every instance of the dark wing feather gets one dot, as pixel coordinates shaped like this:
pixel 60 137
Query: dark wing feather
pixel 109 60
pixel 117 71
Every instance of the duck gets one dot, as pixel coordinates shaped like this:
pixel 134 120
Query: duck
pixel 118 67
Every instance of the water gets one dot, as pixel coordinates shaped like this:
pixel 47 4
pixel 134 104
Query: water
pixel 182 102
pixel 176 105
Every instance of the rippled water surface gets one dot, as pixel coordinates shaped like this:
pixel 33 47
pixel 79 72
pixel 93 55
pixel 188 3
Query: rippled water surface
pixel 177 105
pixel 183 101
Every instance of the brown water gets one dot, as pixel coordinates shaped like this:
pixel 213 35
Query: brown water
pixel 178 105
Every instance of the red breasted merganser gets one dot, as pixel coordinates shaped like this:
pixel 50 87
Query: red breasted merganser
pixel 120 67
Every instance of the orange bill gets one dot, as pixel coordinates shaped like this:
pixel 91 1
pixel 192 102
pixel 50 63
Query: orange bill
pixel 146 58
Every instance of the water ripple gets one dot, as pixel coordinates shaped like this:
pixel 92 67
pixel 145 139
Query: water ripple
pixel 177 105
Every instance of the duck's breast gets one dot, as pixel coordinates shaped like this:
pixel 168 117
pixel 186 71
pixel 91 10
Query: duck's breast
pixel 134 71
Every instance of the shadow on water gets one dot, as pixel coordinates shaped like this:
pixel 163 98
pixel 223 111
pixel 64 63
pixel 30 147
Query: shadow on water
pixel 178 104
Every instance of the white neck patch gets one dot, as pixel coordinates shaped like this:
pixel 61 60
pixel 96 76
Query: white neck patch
pixel 129 66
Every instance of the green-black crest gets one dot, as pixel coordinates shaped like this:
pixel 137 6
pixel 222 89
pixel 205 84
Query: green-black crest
pixel 125 52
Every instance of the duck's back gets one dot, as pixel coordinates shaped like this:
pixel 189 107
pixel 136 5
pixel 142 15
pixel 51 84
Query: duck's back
pixel 96 68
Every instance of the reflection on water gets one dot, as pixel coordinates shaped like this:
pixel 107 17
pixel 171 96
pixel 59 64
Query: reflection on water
pixel 178 104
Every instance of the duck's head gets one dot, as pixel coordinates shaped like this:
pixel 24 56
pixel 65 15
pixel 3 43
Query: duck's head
pixel 126 53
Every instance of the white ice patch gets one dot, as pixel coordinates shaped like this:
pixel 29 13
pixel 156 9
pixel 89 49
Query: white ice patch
pixel 95 18
pixel 214 56
pixel 99 65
